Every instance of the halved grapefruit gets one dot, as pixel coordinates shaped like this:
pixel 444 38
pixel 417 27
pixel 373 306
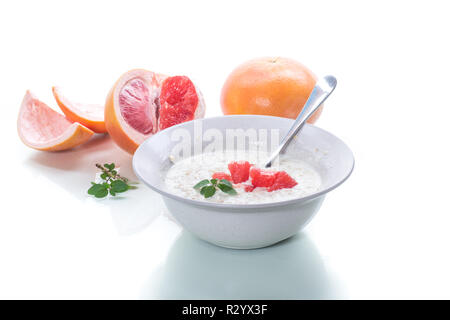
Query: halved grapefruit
pixel 42 128
pixel 142 102
pixel 91 116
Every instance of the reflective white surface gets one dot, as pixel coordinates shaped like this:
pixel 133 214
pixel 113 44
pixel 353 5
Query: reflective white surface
pixel 382 234
pixel 194 269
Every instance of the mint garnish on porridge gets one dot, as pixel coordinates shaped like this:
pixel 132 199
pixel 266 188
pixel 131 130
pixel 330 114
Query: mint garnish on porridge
pixel 208 188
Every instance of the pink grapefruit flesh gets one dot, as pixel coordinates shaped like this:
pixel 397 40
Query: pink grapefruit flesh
pixel 222 175
pixel 239 170
pixel 262 178
pixel 42 128
pixel 282 181
pixel 178 100
pixel 136 106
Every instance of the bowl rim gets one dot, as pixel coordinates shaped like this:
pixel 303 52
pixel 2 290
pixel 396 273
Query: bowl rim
pixel 241 206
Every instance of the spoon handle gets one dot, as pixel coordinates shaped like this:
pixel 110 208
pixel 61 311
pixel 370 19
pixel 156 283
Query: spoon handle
pixel 323 88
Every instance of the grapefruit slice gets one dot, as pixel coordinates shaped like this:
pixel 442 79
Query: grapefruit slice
pixel 249 188
pixel 239 170
pixel 222 175
pixel 89 115
pixel 282 181
pixel 42 128
pixel 178 100
pixel 142 102
pixel 262 178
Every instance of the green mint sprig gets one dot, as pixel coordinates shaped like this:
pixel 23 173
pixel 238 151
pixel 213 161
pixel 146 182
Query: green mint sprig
pixel 209 187
pixel 112 183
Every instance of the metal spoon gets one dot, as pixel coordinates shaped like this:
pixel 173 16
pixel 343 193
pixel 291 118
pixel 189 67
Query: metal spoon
pixel 323 88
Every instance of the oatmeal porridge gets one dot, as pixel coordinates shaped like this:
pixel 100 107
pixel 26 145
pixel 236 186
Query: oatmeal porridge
pixel 288 179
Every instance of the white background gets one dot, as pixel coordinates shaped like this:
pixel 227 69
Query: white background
pixel 383 234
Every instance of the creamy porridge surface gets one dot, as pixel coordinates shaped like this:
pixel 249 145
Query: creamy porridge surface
pixel 185 173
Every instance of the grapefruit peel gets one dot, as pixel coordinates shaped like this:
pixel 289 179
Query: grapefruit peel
pixel 91 116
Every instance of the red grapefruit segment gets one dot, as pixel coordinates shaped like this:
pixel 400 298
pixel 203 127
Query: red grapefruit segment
pixel 239 170
pixel 178 100
pixel 249 188
pixel 222 175
pixel 262 178
pixel 91 116
pixel 42 128
pixel 282 181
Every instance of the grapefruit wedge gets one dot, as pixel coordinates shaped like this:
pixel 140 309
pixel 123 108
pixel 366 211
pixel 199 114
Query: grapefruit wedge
pixel 42 128
pixel 91 116
pixel 142 102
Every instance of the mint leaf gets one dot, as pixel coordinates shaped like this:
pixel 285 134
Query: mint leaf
pixel 101 193
pixel 99 190
pixel 209 187
pixel 110 166
pixel 208 191
pixel 112 183
pixel 226 182
pixel 96 187
pixel 119 186
pixel 201 184
pixel 227 189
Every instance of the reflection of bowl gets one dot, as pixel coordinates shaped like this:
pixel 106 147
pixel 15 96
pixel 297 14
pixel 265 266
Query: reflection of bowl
pixel 239 225
pixel 292 269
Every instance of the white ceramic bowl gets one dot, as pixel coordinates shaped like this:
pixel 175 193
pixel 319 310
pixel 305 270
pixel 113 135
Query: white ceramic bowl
pixel 242 226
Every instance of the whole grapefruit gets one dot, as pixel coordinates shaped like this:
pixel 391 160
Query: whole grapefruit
pixel 269 86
